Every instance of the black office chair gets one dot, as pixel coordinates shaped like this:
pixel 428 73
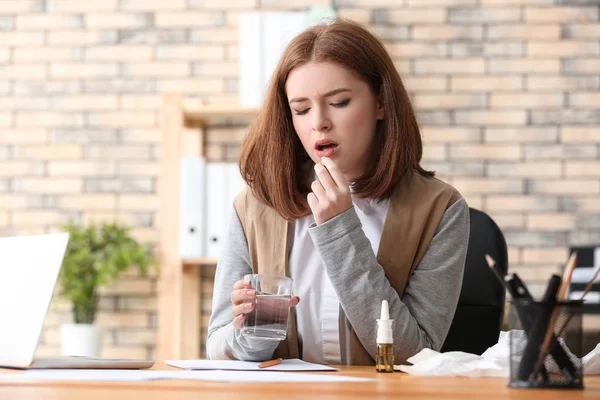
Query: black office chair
pixel 478 318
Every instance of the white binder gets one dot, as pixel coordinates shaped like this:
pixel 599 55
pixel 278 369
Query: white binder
pixel 250 59
pixel 223 183
pixel 235 181
pixel 216 209
pixel 206 204
pixel 262 38
pixel 191 207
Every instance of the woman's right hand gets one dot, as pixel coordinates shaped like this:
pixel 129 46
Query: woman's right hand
pixel 242 300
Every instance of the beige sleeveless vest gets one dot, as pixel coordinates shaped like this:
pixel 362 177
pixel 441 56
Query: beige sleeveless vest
pixel 415 211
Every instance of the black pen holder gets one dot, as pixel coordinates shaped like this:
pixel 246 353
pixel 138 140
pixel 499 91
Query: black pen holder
pixel 542 360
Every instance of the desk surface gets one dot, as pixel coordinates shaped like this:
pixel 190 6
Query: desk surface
pixel 386 386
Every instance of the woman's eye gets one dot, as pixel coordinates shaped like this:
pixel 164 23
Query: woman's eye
pixel 341 103
pixel 301 112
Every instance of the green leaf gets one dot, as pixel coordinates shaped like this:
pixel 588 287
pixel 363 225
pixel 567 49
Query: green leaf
pixel 96 256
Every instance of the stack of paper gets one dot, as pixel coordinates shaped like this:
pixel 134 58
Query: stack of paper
pixel 203 370
pixel 234 365
pixel 150 375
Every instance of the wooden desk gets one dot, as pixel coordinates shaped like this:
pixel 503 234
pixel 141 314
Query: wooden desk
pixel 386 386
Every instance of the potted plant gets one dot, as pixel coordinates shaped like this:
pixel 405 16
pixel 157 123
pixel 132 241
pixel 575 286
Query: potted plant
pixel 96 255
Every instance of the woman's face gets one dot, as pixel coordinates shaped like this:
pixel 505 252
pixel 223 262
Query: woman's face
pixel 334 114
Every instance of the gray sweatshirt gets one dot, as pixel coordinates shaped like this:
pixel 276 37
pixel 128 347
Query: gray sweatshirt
pixel 422 316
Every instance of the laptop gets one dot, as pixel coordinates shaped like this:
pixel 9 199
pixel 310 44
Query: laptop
pixel 29 267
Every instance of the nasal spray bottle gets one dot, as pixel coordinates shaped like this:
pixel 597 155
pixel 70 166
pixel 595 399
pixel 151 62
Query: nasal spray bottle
pixel 384 361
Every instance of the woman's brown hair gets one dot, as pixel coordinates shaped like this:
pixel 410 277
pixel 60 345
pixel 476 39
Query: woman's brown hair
pixel 273 161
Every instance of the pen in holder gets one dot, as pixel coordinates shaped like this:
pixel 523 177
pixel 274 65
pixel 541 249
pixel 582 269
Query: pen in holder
pixel 533 360
pixel 545 336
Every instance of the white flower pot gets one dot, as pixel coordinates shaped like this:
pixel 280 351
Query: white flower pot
pixel 80 340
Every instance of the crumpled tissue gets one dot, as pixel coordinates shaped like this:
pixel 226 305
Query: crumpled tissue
pixel 494 362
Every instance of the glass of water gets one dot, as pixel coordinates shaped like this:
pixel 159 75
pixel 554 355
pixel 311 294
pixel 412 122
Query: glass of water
pixel 268 319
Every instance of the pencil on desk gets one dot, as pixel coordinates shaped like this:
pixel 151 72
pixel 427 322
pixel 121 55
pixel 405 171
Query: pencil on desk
pixel 270 363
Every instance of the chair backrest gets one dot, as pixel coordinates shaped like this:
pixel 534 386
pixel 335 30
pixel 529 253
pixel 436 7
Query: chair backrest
pixel 478 318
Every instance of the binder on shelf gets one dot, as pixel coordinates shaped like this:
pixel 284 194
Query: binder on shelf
pixel 262 39
pixel 191 206
pixel 250 59
pixel 216 209
pixel 207 191
pixel 223 183
pixel 235 182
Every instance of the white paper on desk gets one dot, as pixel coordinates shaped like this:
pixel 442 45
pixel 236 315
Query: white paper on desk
pixel 234 365
pixel 266 377
pixel 114 375
pixel 16 377
pixel 149 375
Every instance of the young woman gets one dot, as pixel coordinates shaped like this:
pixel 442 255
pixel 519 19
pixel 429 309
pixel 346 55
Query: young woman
pixel 338 201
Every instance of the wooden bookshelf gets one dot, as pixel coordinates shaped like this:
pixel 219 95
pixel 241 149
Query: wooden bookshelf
pixel 197 112
pixel 184 122
pixel 199 261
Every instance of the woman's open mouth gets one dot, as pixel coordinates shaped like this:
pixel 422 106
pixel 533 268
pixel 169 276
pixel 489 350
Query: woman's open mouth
pixel 326 148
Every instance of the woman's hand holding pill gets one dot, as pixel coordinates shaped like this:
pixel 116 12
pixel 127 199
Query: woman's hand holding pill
pixel 330 194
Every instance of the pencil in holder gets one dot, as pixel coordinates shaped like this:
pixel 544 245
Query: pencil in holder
pixel 546 343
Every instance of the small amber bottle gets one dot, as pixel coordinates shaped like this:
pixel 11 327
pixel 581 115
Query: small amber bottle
pixel 384 360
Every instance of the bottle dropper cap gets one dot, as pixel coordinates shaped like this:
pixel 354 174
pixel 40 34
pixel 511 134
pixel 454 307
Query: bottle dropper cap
pixel 384 325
